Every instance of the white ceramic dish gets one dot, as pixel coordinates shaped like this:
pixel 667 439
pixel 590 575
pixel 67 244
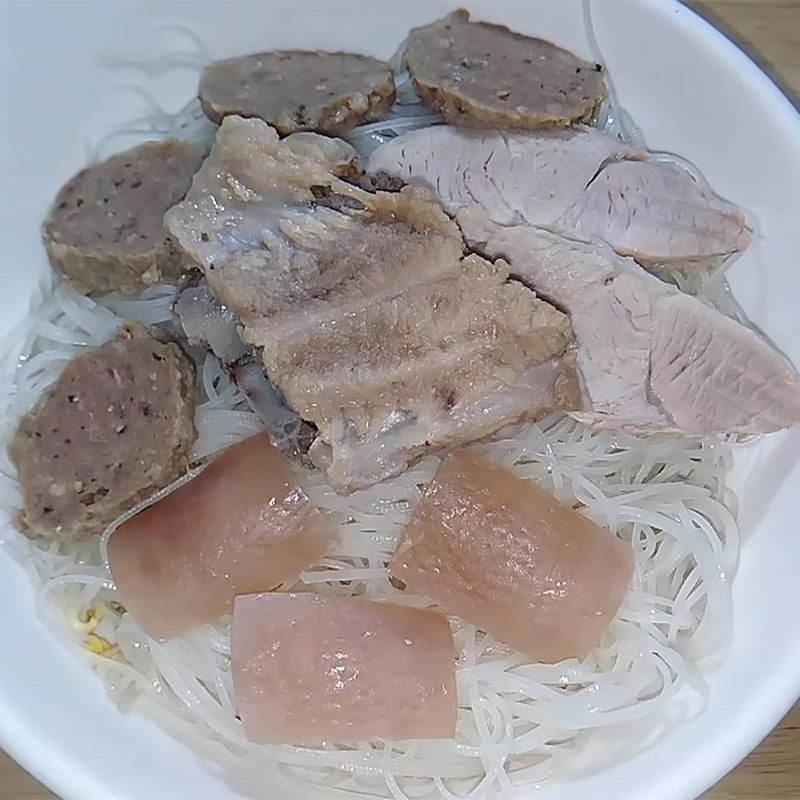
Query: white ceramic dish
pixel 692 92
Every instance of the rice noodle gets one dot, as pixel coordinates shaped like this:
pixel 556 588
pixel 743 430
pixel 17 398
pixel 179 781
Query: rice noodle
pixel 407 114
pixel 188 123
pixel 520 722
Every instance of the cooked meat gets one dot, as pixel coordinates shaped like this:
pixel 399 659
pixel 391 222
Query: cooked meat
pixel 297 90
pixel 243 525
pixel 309 669
pixel 650 357
pixel 259 222
pixel 505 555
pixel 514 177
pixel 206 321
pixel 448 361
pixel 381 182
pixel 657 213
pixel 341 157
pixel 582 183
pixel 106 228
pixel 117 425
pixel 484 75
pixel 369 320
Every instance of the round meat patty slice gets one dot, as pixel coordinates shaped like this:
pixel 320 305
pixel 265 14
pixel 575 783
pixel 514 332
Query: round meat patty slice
pixel 106 229
pixel 116 426
pixel 483 75
pixel 298 90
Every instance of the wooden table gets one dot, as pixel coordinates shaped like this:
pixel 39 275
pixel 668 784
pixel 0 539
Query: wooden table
pixel 769 30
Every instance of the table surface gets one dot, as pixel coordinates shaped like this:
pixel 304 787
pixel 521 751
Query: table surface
pixel 769 30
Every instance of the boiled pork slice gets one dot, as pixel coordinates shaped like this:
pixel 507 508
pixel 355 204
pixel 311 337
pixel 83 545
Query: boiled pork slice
pixel 658 213
pixel 243 525
pixel 370 321
pixel 485 75
pixel 310 669
pixel 505 555
pixel 581 183
pixel 649 356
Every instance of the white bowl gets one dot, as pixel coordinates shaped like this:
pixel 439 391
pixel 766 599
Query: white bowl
pixel 692 92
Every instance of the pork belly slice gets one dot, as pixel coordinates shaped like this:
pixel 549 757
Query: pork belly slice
pixel 370 321
pixel 309 669
pixel 581 183
pixel 506 556
pixel 286 245
pixel 649 356
pixel 453 361
pixel 485 75
pixel 243 525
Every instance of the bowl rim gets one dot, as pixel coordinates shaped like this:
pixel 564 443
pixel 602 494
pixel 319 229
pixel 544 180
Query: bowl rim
pixel 72 781
pixel 783 690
